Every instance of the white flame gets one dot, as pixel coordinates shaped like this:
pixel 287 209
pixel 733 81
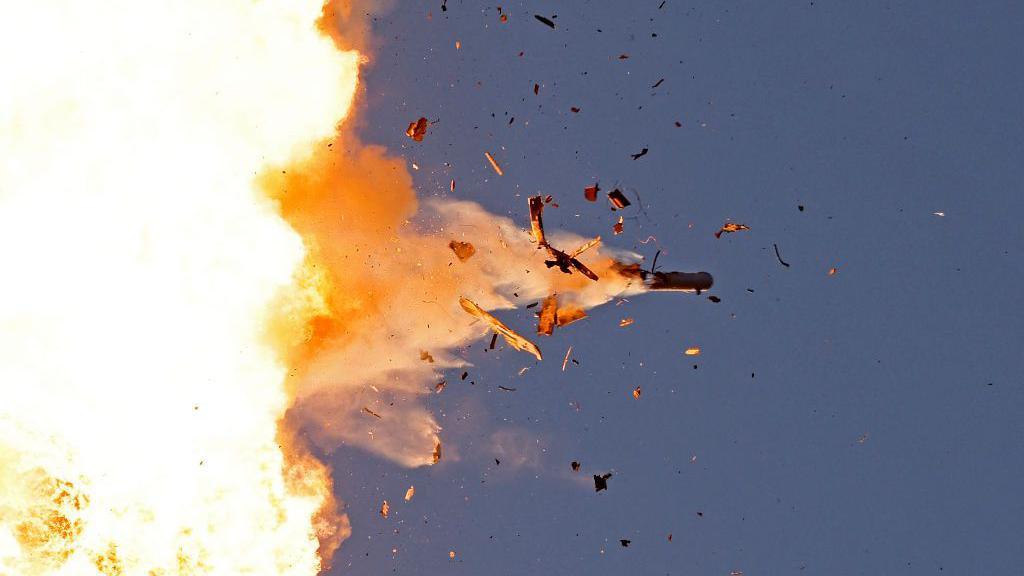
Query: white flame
pixel 138 404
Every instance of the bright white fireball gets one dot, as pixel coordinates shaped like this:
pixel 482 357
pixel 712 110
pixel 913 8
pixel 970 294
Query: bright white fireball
pixel 138 403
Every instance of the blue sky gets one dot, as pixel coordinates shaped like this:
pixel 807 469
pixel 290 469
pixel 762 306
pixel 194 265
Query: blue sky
pixel 866 422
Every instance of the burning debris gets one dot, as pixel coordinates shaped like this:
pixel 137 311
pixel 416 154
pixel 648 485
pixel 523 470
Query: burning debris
pixel 463 250
pixel 547 316
pixel 618 199
pixel 512 337
pixel 418 129
pixel 436 457
pixel 561 260
pixel 617 227
pixel 590 192
pixel 730 227
pixel 494 164
pixel 410 493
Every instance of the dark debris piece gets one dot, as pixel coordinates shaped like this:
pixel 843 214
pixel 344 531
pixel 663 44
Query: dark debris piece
pixel 618 199
pixel 625 543
pixel 545 21
pixel 779 256
pixel 575 466
pixel 601 481
pixel 639 154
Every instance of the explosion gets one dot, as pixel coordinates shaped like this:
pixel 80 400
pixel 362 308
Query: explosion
pixel 208 277
pixel 140 395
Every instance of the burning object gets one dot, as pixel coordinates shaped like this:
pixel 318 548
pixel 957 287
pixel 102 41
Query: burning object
pixel 563 261
pixel 511 336
pixel 730 227
pixel 418 129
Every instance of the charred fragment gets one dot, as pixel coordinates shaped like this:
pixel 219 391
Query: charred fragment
pixel 590 192
pixel 418 129
pixel 601 481
pixel 545 21
pixel 563 261
pixel 437 451
pixel 618 199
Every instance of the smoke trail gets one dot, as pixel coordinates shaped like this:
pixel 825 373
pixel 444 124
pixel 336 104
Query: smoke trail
pixel 382 286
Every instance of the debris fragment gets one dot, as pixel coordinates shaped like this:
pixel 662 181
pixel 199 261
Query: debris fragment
pixel 714 299
pixel 566 359
pixel 384 508
pixel 506 389
pixel 440 386
pixel 779 256
pixel 568 314
pixel 513 338
pixel 463 250
pixel 625 322
pixel 617 227
pixel 658 83
pixel 494 340
pixel 601 482
pixel 693 351
pixel 639 154
pixel 637 392
pixel 536 89
pixel 832 271
pixel 939 214
pixel 548 316
pixel 545 21
pixel 618 199
pixel 453 185
pixel 560 259
pixel 682 281
pixel 590 192
pixel 625 57
pixel 372 413
pixel 409 493
pixel 574 110
pixel 437 451
pixel 625 543
pixel 575 466
pixel 494 164
pixel 418 129
pixel 731 227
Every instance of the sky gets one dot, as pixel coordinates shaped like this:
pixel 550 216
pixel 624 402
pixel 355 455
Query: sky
pixel 863 422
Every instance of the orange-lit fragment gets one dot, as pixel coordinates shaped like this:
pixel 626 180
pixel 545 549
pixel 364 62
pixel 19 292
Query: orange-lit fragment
pixel 625 322
pixel 494 163
pixel 694 351
pixel 384 509
pixel 409 493
pixel 463 250
pixel 636 393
